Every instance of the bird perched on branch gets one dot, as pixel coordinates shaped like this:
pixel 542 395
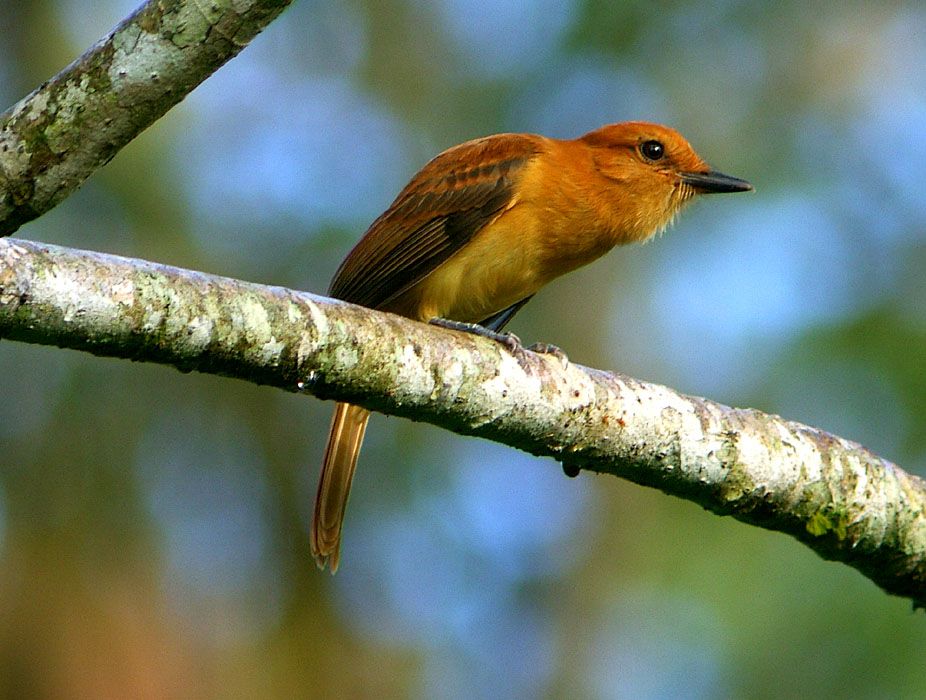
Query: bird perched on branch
pixel 485 225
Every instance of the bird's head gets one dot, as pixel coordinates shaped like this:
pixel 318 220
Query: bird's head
pixel 649 172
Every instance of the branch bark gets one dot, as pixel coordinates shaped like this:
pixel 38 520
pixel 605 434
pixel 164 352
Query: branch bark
pixel 834 495
pixel 56 137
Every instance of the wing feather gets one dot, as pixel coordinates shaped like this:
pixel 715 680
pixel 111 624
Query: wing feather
pixel 439 211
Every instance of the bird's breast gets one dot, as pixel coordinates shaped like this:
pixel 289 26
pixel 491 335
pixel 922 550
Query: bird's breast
pixel 550 227
pixel 509 259
pixel 493 271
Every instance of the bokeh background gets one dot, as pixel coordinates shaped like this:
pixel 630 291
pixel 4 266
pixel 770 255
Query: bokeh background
pixel 153 525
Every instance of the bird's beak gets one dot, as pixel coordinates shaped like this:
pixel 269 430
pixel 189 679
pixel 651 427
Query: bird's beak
pixel 712 181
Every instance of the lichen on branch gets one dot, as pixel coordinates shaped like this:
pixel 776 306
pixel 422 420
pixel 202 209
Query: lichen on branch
pixel 52 140
pixel 835 496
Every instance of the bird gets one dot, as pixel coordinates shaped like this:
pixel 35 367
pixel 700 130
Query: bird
pixel 487 223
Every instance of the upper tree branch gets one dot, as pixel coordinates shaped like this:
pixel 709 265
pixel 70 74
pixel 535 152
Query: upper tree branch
pixel 835 496
pixel 56 137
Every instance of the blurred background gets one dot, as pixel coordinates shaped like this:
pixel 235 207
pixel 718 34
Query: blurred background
pixel 153 525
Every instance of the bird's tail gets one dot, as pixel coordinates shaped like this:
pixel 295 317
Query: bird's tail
pixel 348 424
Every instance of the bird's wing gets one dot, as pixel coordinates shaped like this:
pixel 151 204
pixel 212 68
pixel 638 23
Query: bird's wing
pixel 439 211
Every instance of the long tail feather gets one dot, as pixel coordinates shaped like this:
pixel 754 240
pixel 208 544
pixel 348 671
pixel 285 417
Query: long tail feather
pixel 348 424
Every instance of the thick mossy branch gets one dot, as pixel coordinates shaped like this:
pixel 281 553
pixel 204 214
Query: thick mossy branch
pixel 844 502
pixel 56 137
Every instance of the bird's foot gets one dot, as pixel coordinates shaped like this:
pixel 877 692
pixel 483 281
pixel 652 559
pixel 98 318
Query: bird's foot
pixel 550 349
pixel 509 340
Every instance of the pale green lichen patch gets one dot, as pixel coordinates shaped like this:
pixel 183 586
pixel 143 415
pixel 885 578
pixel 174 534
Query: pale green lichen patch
pixel 271 351
pixel 191 30
pixel 407 371
pixel 62 133
pixel 448 381
pixel 346 356
pixel 173 303
pixel 305 348
pixel 70 290
pixel 152 318
pixel 38 106
pixel 736 486
pixel 251 316
pixel 200 330
pixel 293 313
pixel 821 523
pixel 194 21
pixel 143 61
pixel 124 41
pixel 319 319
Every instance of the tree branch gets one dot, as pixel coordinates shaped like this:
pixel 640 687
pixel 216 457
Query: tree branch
pixel 56 137
pixel 841 500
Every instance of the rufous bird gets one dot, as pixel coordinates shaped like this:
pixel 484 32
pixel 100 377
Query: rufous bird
pixel 485 225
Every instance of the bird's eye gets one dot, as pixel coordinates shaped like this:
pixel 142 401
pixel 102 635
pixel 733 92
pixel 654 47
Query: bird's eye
pixel 652 150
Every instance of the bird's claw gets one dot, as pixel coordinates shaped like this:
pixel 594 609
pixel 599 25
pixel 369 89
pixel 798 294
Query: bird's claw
pixel 550 349
pixel 509 340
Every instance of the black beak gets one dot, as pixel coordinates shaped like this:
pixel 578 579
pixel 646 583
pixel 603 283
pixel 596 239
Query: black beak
pixel 712 181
